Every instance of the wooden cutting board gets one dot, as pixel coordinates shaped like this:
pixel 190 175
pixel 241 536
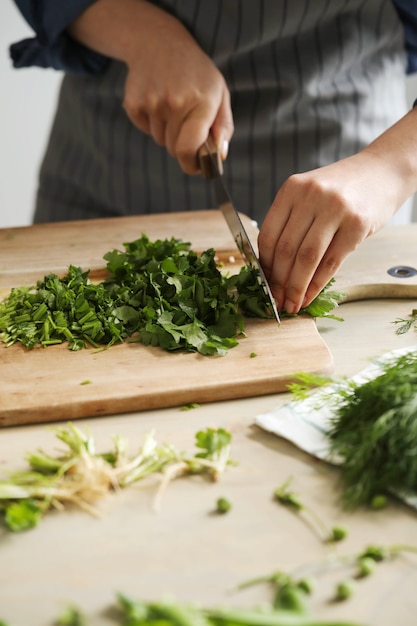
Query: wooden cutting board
pixel 44 385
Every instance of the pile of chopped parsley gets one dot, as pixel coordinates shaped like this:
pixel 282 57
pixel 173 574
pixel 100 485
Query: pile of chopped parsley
pixel 160 293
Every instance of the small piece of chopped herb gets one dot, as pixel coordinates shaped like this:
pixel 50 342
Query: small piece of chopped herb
pixel 72 617
pixel 189 407
pixel 404 325
pixel 223 505
pixel 22 515
pixel 344 590
pixel 290 499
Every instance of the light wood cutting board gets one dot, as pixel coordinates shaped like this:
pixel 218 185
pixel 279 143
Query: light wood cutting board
pixel 44 385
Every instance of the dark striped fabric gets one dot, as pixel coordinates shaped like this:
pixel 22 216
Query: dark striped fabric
pixel 312 81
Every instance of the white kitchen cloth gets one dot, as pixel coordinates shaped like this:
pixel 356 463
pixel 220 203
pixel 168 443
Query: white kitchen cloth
pixel 305 422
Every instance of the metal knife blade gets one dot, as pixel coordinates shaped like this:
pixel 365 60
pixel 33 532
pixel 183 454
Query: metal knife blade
pixel 212 168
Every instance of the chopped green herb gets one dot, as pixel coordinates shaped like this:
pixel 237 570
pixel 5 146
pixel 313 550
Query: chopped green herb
pixel 337 533
pixel 378 502
pixel 189 407
pixel 72 617
pixel 22 515
pixel 223 505
pixel 253 355
pixel 173 613
pixel 344 590
pixel 289 588
pixel 290 499
pixel 305 382
pixel 366 566
pixel 160 293
pixel 86 382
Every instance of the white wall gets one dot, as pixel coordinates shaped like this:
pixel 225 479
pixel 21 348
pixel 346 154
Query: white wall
pixel 28 99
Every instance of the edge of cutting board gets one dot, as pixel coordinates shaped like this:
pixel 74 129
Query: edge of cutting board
pixel 131 377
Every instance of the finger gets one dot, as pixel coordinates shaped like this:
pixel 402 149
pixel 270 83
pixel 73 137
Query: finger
pixel 309 255
pixel 345 241
pixel 194 132
pixel 138 118
pixel 280 237
pixel 157 129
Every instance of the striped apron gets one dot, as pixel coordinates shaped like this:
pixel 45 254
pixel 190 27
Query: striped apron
pixel 311 82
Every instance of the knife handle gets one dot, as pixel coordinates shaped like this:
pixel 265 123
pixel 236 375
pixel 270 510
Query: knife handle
pixel 205 161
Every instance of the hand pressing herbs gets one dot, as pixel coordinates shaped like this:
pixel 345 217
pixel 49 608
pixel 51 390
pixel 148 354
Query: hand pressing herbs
pixel 81 476
pixel 161 293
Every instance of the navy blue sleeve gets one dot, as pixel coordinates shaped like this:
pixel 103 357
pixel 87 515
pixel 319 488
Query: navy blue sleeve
pixel 52 46
pixel 407 11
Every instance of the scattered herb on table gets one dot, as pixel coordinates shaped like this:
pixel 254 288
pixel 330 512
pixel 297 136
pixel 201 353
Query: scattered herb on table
pixel 81 476
pixel 289 605
pixel 173 613
pixel 302 582
pixel 304 382
pixel 291 500
pixel 160 293
pixel 223 505
pixel 345 590
pixel 190 406
pixel 72 616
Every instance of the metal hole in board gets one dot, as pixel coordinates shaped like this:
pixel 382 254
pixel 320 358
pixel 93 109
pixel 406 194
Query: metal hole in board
pixel 402 271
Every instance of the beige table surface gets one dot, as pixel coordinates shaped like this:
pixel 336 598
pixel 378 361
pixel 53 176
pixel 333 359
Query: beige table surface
pixel 187 552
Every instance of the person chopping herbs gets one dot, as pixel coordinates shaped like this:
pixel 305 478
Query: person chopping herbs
pixel 313 93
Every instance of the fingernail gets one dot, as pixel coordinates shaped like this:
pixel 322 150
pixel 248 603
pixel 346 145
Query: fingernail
pixel 224 149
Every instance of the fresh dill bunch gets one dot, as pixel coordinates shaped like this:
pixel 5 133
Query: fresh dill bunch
pixel 374 433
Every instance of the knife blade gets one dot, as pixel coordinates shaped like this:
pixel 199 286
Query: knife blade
pixel 212 168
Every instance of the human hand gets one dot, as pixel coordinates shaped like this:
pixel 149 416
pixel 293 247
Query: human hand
pixel 176 94
pixel 173 91
pixel 317 219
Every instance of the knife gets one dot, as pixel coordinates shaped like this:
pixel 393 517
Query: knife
pixel 212 168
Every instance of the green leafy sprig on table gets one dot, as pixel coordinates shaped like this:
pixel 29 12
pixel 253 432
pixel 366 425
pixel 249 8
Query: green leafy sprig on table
pixel 161 293
pixel 285 496
pixel 132 612
pixel 81 476
pixel 404 325
pixel 289 606
pixel 290 590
